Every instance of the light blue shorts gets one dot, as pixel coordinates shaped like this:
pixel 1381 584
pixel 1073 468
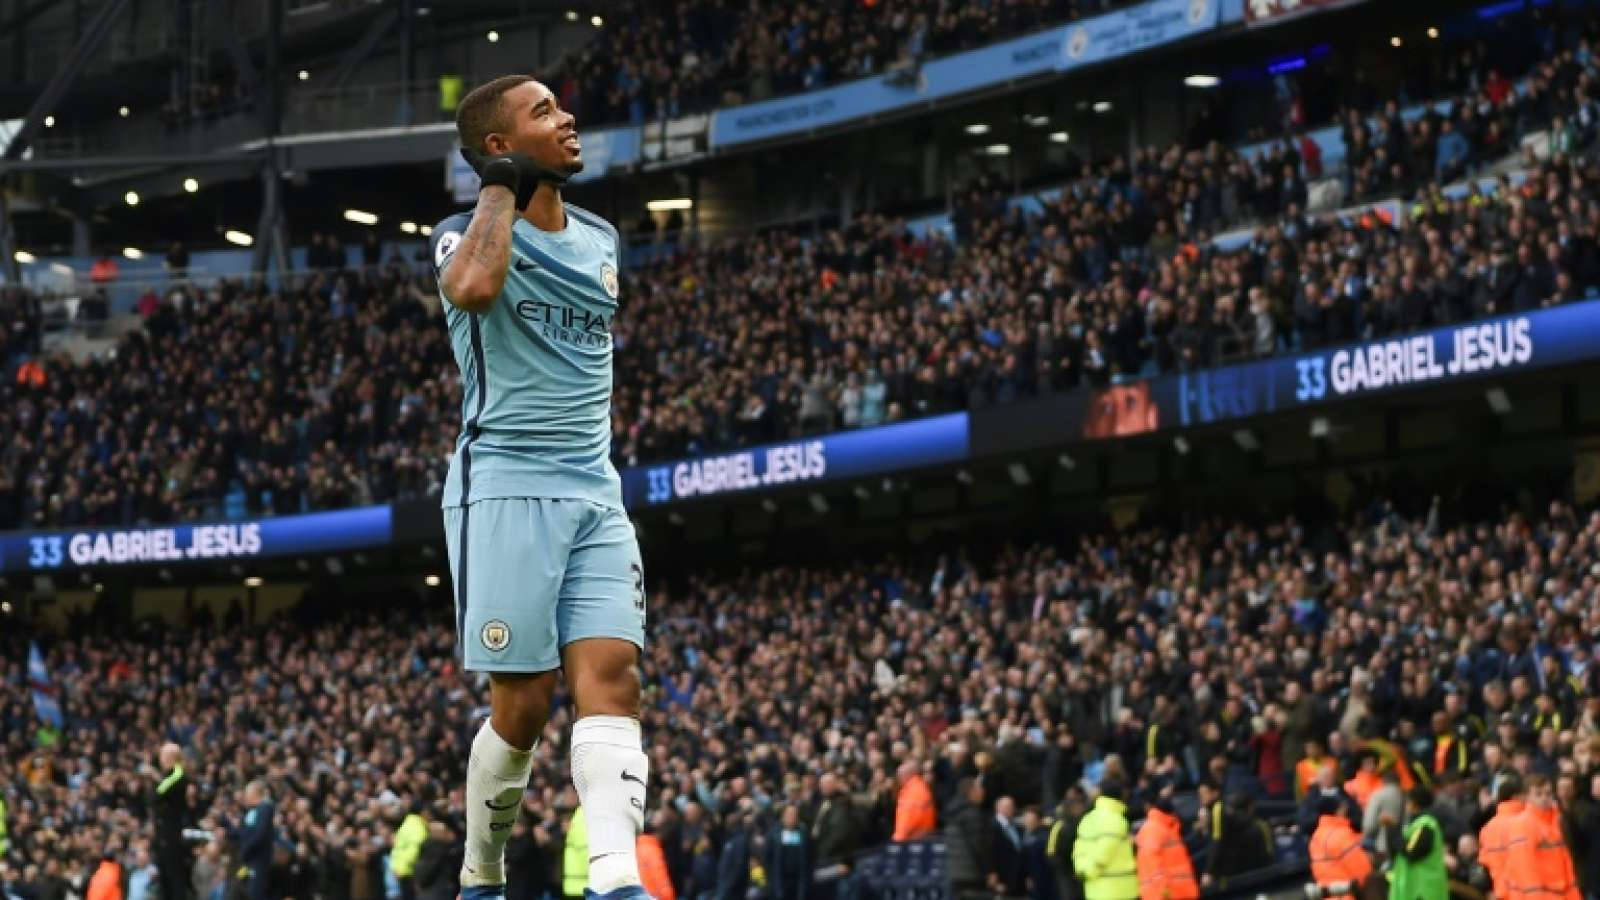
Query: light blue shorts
pixel 532 575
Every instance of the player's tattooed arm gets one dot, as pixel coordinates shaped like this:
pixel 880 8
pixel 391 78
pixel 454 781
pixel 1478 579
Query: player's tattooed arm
pixel 476 271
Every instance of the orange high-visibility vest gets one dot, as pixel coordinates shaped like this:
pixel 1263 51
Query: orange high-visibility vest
pixel 653 874
pixel 1165 872
pixel 106 883
pixel 1538 865
pixel 913 810
pixel 1305 773
pixel 1362 787
pixel 1494 842
pixel 1337 854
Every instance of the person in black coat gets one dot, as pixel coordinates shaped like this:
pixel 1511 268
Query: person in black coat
pixel 1580 816
pixel 1006 855
pixel 733 865
pixel 1037 872
pixel 256 837
pixel 532 861
pixel 789 857
pixel 967 839
pixel 1058 846
pixel 1242 842
pixel 438 863
pixel 836 831
pixel 171 805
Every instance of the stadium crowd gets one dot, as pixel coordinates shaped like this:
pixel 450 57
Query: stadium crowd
pixel 984 696
pixel 775 335
pixel 654 60
pixel 340 392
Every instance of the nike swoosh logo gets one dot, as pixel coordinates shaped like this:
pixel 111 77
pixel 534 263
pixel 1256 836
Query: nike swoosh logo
pixel 628 776
pixel 525 266
pixel 595 859
pixel 512 805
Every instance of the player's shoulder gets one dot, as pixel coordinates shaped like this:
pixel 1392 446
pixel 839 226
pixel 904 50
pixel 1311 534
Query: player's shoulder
pixel 594 221
pixel 447 236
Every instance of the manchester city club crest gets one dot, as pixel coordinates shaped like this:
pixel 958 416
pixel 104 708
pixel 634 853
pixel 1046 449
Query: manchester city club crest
pixel 496 635
pixel 1198 10
pixel 1078 43
pixel 608 279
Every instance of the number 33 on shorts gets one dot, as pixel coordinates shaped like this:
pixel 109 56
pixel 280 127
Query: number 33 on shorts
pixel 535 574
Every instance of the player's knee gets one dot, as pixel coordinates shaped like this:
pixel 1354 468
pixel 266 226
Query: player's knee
pixel 604 675
pixel 521 705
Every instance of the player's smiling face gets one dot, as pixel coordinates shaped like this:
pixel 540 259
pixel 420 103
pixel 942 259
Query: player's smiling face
pixel 536 126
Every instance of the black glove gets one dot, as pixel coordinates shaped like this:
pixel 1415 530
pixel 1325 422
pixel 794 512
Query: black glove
pixel 513 170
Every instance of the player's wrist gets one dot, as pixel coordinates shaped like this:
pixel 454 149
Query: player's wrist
pixel 500 172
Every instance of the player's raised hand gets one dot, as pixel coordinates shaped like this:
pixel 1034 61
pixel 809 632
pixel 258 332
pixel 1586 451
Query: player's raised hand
pixel 515 171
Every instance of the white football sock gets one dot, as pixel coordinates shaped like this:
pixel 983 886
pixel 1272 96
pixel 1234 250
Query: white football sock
pixel 610 771
pixel 497 775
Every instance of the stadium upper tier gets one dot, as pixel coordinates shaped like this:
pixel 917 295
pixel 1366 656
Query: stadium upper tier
pixel 663 61
pixel 341 391
pixel 1200 661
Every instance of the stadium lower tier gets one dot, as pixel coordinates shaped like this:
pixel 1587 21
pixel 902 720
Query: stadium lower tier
pixel 1241 678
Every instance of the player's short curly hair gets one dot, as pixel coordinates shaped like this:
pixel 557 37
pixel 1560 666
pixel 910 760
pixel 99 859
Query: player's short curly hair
pixel 481 113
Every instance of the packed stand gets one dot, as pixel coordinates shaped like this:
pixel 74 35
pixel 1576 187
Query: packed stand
pixel 773 336
pixel 1207 674
pixel 232 401
pixel 656 61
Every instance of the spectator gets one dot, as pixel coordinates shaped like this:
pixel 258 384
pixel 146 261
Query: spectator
pixel 1063 841
pixel 177 260
pixel 409 840
pixel 1467 869
pixel 107 881
pixel 141 876
pixel 256 838
pixel 1496 837
pixel 733 867
pixel 438 863
pixel 1384 809
pixel 1102 853
pixel 172 816
pixel 1419 867
pixel 914 815
pixel 1537 859
pixel 968 841
pixel 790 862
pixel 1165 871
pixel 1038 871
pixel 104 270
pixel 835 831
pixel 1007 852
pixel 575 858
pixel 1241 841
pixel 654 875
pixel 1337 856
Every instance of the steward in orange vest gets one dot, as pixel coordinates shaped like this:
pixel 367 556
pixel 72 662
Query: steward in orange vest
pixel 1495 838
pixel 1538 864
pixel 914 815
pixel 1366 780
pixel 1336 852
pixel 653 874
pixel 1305 771
pixel 106 883
pixel 1165 872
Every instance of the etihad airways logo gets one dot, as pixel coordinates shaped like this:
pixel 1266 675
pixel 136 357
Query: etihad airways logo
pixel 565 323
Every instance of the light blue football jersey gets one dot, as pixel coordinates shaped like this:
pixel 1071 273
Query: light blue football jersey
pixel 536 368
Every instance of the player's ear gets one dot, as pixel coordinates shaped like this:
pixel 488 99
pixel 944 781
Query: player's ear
pixel 495 144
